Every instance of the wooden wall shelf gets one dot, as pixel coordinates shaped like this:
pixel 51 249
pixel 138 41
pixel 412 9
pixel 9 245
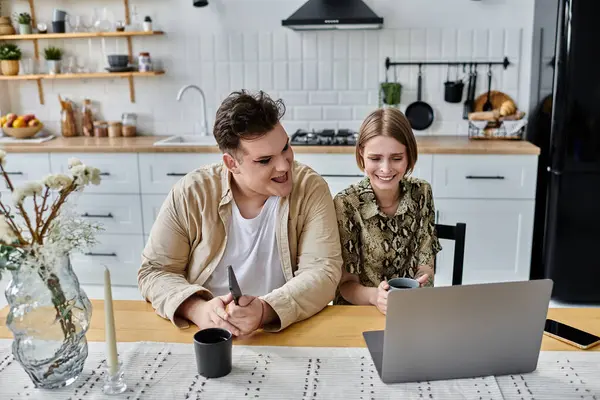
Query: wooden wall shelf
pixel 78 35
pixel 81 35
pixel 93 75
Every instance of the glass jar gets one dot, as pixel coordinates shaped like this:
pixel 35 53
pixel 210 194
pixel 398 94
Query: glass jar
pixel 87 118
pixel 114 129
pixel 100 129
pixel 129 121
pixel 144 62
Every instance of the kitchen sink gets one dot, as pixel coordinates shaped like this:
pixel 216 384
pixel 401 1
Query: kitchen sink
pixel 187 140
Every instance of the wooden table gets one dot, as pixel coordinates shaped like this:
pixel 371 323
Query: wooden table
pixel 335 326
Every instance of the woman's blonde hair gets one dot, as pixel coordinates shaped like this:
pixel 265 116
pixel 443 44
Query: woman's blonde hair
pixel 387 122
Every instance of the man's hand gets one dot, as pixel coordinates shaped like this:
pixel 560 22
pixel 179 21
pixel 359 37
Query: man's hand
pixel 209 314
pixel 380 297
pixel 248 315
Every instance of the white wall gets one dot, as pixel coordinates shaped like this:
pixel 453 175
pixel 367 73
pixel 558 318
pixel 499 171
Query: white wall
pixel 328 79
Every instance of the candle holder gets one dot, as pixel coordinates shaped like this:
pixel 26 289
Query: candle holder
pixel 114 383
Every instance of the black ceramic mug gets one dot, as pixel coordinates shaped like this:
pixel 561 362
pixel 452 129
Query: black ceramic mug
pixel 403 283
pixel 213 347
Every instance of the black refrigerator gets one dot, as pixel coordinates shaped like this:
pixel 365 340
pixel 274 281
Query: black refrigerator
pixel 566 126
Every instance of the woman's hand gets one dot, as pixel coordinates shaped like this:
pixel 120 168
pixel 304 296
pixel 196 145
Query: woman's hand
pixel 380 297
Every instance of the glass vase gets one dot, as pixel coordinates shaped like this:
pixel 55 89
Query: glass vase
pixel 49 317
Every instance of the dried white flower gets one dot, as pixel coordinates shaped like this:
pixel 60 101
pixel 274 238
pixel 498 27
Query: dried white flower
pixel 7 235
pixel 73 162
pixel 2 158
pixel 80 174
pixel 27 190
pixel 94 175
pixel 57 181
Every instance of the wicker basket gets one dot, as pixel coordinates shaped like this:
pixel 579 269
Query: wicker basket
pixel 9 67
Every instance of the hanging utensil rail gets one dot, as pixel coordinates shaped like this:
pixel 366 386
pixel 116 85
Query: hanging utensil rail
pixel 389 63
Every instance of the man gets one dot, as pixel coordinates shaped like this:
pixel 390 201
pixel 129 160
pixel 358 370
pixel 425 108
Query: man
pixel 269 217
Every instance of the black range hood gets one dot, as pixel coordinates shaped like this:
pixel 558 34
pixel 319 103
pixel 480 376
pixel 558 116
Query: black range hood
pixel 333 14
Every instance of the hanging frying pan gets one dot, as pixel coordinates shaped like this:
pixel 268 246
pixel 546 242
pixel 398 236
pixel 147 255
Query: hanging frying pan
pixel 419 113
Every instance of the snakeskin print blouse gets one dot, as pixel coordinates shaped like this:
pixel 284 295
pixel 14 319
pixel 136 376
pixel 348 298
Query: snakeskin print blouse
pixel 377 246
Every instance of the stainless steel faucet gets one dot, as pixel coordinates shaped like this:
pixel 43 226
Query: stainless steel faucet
pixel 204 123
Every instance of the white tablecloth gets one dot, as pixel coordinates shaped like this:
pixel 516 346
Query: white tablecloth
pixel 166 371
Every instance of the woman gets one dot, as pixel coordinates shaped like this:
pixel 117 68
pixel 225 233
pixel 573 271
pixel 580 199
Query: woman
pixel 387 220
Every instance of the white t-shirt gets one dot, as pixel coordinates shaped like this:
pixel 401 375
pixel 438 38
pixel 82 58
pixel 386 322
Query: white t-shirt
pixel 252 252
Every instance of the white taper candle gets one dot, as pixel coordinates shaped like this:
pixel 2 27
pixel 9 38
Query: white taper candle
pixel 109 326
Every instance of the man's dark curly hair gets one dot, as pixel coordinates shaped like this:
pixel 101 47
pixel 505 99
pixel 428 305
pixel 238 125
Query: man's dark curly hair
pixel 245 115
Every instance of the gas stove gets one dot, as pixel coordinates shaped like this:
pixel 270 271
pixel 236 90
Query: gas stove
pixel 324 137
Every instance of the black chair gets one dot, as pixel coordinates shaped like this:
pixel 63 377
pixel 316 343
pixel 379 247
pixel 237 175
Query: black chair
pixel 457 233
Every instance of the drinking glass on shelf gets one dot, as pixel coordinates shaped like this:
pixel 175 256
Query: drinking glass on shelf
pixel 27 66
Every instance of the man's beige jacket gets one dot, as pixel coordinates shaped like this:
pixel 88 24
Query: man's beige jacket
pixel 189 235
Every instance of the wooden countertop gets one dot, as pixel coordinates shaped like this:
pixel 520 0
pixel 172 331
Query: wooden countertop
pixel 335 326
pixel 144 144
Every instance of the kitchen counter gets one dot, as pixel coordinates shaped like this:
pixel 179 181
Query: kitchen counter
pixel 144 144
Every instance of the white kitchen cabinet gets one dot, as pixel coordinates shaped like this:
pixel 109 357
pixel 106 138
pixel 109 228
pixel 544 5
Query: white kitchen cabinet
pixel 160 171
pixel 484 176
pixel 498 239
pixel 121 254
pixel 151 205
pixel 117 213
pixel 119 172
pixel 24 167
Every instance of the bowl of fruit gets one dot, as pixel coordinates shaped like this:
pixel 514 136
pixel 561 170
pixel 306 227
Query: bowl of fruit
pixel 20 127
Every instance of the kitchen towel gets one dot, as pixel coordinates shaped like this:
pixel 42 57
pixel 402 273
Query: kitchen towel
pixel 168 371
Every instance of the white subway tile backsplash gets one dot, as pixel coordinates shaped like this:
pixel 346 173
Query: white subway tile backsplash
pixel 513 44
pixel 418 44
pixel 236 73
pixel 279 46
pixel 496 44
pixel 308 113
pixel 294 46
pixel 325 75
pixel 356 45
pixel 325 46
pixel 292 126
pixel 236 47
pixel 309 45
pixel 318 125
pixel 223 74
pixel 360 113
pixel 310 76
pixel 323 98
pixel 465 44
pixel 251 76
pixel 356 75
pixel 207 47
pixel 434 44
pixel 265 75
pixel 340 46
pixel 386 44
pixel 295 75
pixel 481 44
pixel 221 47
pixel 340 75
pixel 354 98
pixel 294 98
pixel 250 46
pixel 449 41
pixel 372 74
pixel 332 113
pixel 371 46
pixel 265 46
pixel 402 45
pixel 280 75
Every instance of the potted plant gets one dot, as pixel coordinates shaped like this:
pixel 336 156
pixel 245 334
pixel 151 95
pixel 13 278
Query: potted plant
pixel 49 313
pixel 24 20
pixel 10 54
pixel 53 57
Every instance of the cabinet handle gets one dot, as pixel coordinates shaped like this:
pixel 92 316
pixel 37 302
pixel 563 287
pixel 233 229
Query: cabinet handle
pixel 341 176
pixel 176 174
pixel 86 215
pixel 104 173
pixel 497 177
pixel 14 173
pixel 100 254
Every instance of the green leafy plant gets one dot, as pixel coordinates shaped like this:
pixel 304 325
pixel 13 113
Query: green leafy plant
pixel 9 51
pixel 53 53
pixel 24 18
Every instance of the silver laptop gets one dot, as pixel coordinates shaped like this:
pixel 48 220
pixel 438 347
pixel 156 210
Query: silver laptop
pixel 461 331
